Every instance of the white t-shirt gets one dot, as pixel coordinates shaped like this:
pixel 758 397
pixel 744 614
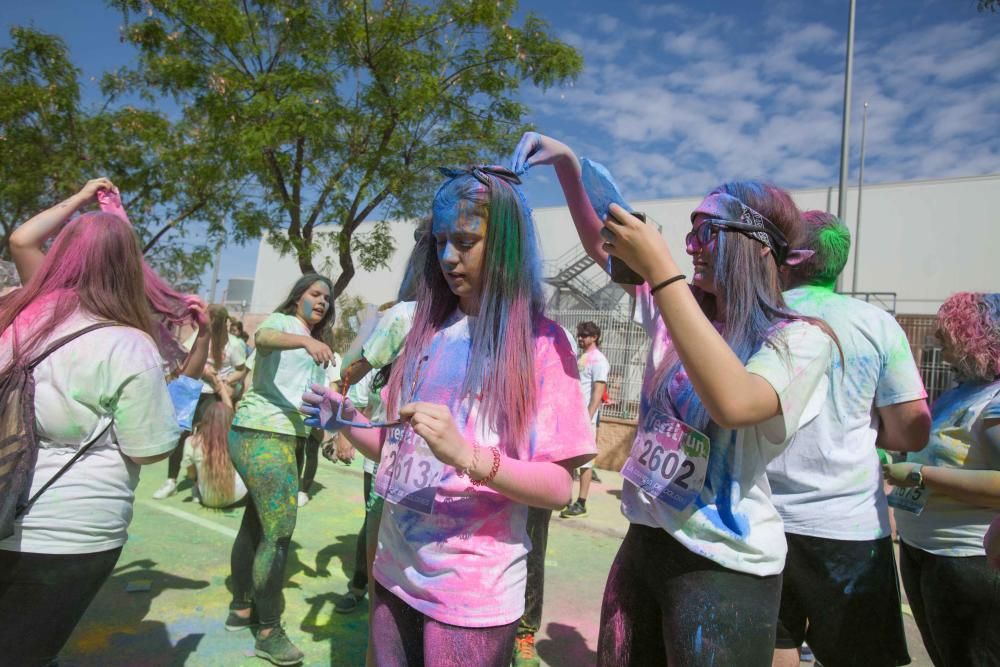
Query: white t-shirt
pixel 380 349
pixel 828 481
pixel 363 398
pixel 733 521
pixel 280 377
pixel 593 367
pixel 950 527
pixel 195 455
pixel 465 564
pixel 233 356
pixel 114 374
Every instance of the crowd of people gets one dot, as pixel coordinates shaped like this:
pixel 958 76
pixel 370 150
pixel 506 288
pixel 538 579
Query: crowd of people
pixel 781 427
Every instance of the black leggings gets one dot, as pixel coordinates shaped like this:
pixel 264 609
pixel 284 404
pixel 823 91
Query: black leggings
pixel 307 458
pixel 956 604
pixel 534 590
pixel 664 605
pixel 43 597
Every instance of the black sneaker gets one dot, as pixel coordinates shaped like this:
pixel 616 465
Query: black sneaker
pixel 348 603
pixel 235 622
pixel 278 648
pixel 593 475
pixel 574 511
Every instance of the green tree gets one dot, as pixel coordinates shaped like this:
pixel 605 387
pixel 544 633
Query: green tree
pixel 40 133
pixel 989 5
pixel 339 108
pixel 174 184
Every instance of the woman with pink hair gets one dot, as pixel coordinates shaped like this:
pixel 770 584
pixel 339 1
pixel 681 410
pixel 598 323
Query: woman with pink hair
pixel 103 394
pixel 947 494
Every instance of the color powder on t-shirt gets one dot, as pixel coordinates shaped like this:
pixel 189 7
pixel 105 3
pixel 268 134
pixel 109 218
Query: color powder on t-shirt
pixel 465 562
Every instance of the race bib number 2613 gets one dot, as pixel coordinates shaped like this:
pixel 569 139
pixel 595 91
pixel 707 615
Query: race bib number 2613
pixel 669 463
pixel 409 473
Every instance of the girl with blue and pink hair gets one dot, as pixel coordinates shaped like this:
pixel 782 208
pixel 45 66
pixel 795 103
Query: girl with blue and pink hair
pixel 484 430
pixel 732 373
pixel 947 494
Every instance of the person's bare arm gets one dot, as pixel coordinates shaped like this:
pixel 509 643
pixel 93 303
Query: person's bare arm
pixel 267 340
pixel 534 149
pixel 905 426
pixel 596 395
pixel 27 240
pixel 146 460
pixel 980 488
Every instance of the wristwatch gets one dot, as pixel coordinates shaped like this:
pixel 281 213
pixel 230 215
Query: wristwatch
pixel 916 476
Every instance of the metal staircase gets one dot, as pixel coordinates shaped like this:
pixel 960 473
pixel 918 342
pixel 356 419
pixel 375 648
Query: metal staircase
pixel 580 284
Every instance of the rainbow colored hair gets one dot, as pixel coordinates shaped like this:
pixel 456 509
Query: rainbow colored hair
pixel 749 286
pixel 501 360
pixel 972 322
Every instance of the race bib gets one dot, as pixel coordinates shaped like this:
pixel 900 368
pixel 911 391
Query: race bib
pixel 408 473
pixel 909 499
pixel 669 463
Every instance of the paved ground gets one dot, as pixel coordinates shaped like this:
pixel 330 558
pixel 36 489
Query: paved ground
pixel 167 599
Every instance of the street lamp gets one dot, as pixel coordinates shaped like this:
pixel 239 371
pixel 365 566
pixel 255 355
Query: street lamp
pixel 861 183
pixel 844 144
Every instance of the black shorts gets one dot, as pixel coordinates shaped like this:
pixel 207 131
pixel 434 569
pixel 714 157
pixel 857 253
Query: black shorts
pixel 842 597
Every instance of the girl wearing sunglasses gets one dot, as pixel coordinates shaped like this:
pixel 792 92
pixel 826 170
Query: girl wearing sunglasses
pixel 731 375
pixel 481 388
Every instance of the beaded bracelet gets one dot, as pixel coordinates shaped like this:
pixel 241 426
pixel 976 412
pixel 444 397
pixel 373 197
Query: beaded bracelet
pixel 493 471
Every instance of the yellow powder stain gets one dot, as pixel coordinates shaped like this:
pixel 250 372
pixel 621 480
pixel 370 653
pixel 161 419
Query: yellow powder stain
pixel 98 639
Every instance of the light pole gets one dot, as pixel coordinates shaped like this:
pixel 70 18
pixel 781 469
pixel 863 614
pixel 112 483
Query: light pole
pixel 861 184
pixel 844 143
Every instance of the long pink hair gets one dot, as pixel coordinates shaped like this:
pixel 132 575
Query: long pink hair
pixel 501 363
pixel 95 263
pixel 170 306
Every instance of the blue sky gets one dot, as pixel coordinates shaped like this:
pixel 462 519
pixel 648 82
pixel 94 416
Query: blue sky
pixel 679 96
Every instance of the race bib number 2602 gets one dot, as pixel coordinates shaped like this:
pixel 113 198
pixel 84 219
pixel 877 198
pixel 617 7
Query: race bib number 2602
pixel 669 463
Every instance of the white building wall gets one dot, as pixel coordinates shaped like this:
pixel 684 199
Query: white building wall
pixel 923 240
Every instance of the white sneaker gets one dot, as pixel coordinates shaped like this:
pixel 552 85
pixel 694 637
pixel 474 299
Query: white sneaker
pixel 303 498
pixel 168 489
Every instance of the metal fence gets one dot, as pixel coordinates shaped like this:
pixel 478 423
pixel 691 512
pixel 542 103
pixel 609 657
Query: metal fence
pixel 937 374
pixel 625 344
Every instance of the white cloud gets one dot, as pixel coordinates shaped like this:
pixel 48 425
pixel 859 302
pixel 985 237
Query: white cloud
pixel 723 99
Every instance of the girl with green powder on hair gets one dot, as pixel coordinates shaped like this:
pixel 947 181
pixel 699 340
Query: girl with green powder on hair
pixel 267 428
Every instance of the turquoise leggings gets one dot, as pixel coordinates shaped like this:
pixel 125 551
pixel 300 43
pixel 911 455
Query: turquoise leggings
pixel 266 462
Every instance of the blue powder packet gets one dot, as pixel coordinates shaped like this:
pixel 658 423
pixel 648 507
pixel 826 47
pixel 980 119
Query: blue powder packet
pixel 184 394
pixel 602 191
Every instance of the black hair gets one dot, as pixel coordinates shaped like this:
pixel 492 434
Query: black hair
pixel 589 329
